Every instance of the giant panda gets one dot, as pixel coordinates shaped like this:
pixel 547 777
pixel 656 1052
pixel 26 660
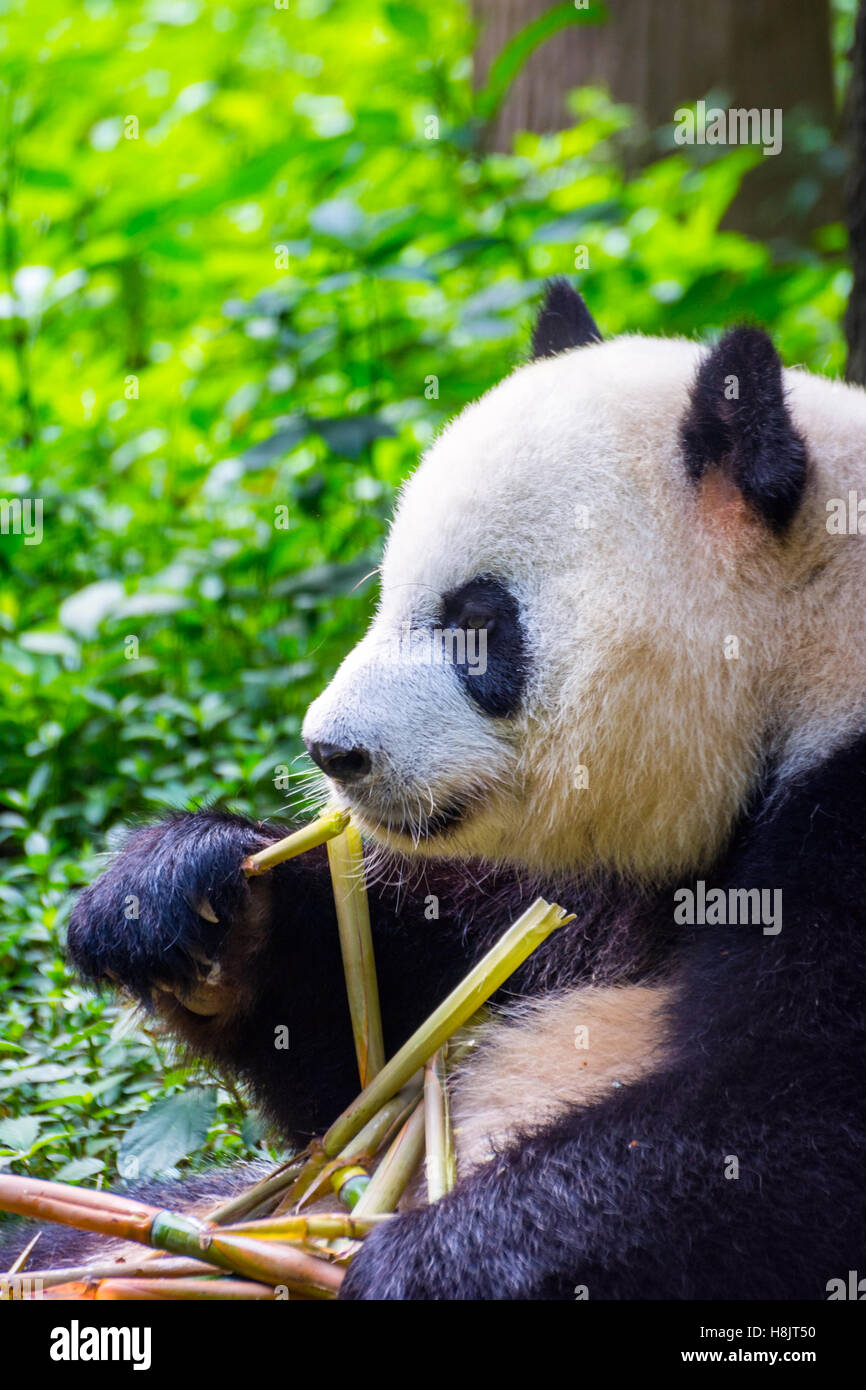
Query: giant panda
pixel 667 735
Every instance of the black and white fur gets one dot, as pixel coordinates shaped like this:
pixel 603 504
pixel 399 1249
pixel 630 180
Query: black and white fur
pixel 610 516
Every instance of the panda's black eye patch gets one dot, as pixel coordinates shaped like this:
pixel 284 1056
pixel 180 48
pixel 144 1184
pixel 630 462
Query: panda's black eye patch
pixel 490 661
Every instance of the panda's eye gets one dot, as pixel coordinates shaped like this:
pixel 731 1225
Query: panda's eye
pixel 474 615
pixel 478 606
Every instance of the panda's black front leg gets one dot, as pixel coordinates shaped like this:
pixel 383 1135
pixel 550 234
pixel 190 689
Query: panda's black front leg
pixel 248 973
pixel 220 959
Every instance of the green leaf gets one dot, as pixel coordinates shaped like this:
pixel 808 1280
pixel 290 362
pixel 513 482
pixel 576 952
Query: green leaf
pixel 350 436
pixel 409 20
pixel 20 1133
pixel 79 1168
pixel 50 644
pixel 172 1129
pixel 340 218
pixel 280 443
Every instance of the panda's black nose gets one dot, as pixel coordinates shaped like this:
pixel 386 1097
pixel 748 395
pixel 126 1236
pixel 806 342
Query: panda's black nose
pixel 343 764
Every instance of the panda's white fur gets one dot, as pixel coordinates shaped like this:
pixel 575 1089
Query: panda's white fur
pixel 551 1055
pixel 566 480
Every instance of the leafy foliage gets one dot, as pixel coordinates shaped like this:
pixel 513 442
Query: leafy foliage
pixel 254 258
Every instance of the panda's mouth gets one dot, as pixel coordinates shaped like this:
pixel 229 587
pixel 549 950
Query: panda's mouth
pixel 420 824
pixel 445 818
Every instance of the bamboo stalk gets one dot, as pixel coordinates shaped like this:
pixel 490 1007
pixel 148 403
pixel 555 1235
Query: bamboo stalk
pixel 363 1147
pixel 262 1260
pixel 346 860
pixel 170 1290
pixel 163 1267
pixel 317 832
pixel 245 1203
pixel 518 942
pixel 350 1184
pixel 33 1189
pixel 19 1263
pixel 76 1206
pixel 397 1168
pixel 315 1173
pixel 440 1163
pixel 320 1226
pixel 243 1255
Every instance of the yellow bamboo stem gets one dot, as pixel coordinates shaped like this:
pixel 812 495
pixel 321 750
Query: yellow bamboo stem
pixel 171 1290
pixel 363 1147
pixel 346 860
pixel 270 1264
pixel 518 942
pixel 320 1226
pixel 262 1192
pixel 323 828
pixel 19 1264
pixel 397 1168
pixel 440 1163
pixel 162 1267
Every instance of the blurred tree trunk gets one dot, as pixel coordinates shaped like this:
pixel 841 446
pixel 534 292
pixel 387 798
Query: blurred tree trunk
pixel 855 316
pixel 658 55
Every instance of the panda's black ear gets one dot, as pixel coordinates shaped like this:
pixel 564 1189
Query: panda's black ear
pixel 563 322
pixel 738 421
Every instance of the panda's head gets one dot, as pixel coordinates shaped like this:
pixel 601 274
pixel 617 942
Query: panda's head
pixel 591 609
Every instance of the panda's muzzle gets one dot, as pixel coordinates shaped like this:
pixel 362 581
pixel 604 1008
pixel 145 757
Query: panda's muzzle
pixel 350 767
pixel 422 823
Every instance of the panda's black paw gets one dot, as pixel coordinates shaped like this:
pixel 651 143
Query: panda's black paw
pixel 397 1261
pixel 420 1255
pixel 159 915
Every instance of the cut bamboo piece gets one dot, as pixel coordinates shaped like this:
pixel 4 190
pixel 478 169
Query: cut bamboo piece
pixel 101 1212
pixel 246 1203
pixel 320 1226
pixel 350 1184
pixel 172 1290
pixel 18 1264
pixel 440 1163
pixel 346 860
pixel 271 1264
pixel 155 1266
pixel 518 942
pixel 323 828
pixel 34 1190
pixel 370 1138
pixel 397 1168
